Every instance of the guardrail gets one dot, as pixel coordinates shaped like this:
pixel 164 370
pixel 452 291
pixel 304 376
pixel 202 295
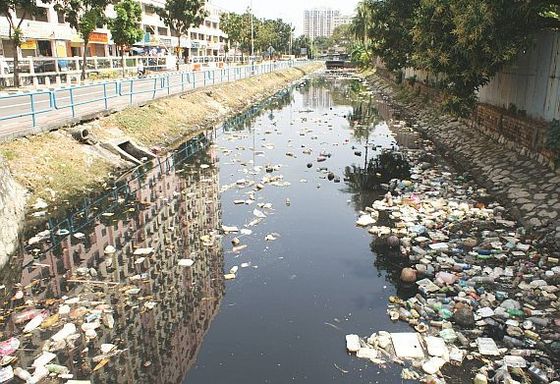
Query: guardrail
pixel 28 111
pixel 36 71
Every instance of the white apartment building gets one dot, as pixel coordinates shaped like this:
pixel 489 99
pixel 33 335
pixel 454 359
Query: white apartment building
pixel 321 22
pixel 49 35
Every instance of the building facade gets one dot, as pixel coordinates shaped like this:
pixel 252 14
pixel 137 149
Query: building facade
pixel 49 35
pixel 321 22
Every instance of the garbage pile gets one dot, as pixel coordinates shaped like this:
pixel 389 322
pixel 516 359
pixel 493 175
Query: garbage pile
pixel 485 293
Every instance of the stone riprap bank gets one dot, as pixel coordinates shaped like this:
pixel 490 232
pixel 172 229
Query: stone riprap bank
pixel 530 189
pixel 12 205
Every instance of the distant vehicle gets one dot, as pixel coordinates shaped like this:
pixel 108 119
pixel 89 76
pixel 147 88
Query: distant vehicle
pixel 287 57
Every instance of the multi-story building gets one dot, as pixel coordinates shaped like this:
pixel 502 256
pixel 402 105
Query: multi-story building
pixel 321 22
pixel 48 34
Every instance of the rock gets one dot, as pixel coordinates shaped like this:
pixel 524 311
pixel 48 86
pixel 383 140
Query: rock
pixel 433 365
pixel 408 275
pixel 464 316
pixel 393 241
pixel 365 221
pixel 480 378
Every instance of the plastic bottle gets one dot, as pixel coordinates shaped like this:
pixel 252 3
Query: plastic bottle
pixel 22 374
pixel 516 312
pixel 514 342
pixel 522 352
pixel 538 374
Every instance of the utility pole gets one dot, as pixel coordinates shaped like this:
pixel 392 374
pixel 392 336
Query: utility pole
pixel 252 32
pixel 291 37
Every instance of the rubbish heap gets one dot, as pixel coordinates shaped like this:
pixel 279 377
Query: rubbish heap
pixel 486 295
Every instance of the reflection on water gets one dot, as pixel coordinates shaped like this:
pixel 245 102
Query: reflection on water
pixel 161 310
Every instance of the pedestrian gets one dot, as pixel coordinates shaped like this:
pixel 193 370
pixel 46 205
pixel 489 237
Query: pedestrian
pixel 141 71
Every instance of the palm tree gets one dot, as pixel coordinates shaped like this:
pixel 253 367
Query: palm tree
pixel 361 23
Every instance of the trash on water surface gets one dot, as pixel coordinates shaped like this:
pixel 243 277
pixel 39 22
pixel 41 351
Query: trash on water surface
pixel 186 262
pixel 407 345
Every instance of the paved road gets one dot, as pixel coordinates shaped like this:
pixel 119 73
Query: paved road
pixel 54 108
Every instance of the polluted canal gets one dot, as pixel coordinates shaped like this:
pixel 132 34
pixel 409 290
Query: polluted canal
pixel 270 251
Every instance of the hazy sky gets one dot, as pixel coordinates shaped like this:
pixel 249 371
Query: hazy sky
pixel 289 10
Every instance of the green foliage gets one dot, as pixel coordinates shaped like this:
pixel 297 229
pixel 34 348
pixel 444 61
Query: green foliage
pixel 361 55
pixel 238 28
pixel 267 32
pixel 84 16
pixel 321 44
pixel 8 10
pixel 273 33
pixel 125 27
pixel 465 41
pixel 301 42
pixel 180 15
pixel 343 37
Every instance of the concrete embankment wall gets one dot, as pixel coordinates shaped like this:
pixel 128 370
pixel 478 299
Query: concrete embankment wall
pixel 12 204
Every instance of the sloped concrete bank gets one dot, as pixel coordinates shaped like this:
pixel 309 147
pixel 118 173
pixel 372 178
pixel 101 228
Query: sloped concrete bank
pixel 12 203
pixel 528 188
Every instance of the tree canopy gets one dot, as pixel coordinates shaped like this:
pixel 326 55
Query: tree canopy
pixel 465 41
pixel 84 16
pixel 8 10
pixel 181 15
pixel 273 33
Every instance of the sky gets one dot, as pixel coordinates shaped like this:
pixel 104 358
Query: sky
pixel 289 10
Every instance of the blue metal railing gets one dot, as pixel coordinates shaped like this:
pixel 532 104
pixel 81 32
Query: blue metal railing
pixel 31 105
pixel 106 94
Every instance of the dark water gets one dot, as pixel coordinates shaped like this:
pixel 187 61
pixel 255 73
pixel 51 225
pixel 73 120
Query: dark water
pixel 284 317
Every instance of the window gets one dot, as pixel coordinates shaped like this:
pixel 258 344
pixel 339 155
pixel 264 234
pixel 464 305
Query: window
pixel 21 14
pixel 215 25
pixel 193 36
pixel 174 32
pixel 162 31
pixel 60 17
pixel 149 10
pixel 41 15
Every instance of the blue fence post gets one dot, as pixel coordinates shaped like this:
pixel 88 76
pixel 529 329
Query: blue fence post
pixel 105 96
pixel 204 73
pixel 193 79
pixel 183 81
pixel 72 102
pixel 131 90
pixel 155 87
pixel 168 85
pixel 32 101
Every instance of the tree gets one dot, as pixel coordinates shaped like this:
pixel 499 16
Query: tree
pixel 85 16
pixel 302 42
pixel 273 33
pixel 469 41
pixel 230 24
pixel 9 9
pixel 321 44
pixel 343 37
pixel 125 27
pixel 181 15
pixel 464 42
